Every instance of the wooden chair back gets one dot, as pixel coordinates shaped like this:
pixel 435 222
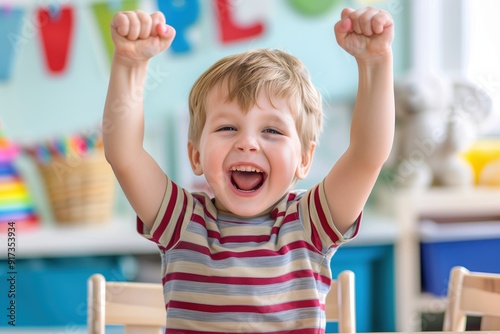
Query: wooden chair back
pixel 141 309
pixel 472 293
pixel 137 306
pixel 340 302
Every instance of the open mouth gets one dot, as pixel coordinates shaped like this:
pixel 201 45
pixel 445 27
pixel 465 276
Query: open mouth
pixel 247 178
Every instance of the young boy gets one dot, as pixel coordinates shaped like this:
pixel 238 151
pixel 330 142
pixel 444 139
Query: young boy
pixel 256 256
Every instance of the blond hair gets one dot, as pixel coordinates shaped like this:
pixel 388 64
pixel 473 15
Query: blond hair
pixel 273 72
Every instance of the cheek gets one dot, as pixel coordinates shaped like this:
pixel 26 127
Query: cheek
pixel 212 158
pixel 286 158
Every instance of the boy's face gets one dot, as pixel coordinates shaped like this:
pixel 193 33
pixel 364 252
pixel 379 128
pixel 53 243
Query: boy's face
pixel 249 160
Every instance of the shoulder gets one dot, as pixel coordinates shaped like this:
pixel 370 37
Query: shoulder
pixel 298 194
pixel 289 203
pixel 305 200
pixel 204 205
pixel 295 195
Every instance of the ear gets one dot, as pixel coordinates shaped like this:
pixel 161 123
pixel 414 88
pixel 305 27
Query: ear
pixel 305 164
pixel 194 158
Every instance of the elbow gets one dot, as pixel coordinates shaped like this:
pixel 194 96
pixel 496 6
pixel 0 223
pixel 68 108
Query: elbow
pixel 115 158
pixel 109 157
pixel 109 152
pixel 377 161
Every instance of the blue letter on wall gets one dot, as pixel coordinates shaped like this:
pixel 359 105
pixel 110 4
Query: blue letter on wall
pixel 10 26
pixel 180 14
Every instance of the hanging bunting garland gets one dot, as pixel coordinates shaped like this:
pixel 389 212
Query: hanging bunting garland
pixel 230 31
pixel 180 16
pixel 104 12
pixel 10 26
pixel 56 31
pixel 313 7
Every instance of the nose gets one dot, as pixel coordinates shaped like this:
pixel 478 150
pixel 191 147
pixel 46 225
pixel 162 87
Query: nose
pixel 247 143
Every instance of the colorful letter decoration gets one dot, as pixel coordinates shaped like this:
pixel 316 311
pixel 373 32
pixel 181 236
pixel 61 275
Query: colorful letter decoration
pixel 56 31
pixel 10 26
pixel 180 15
pixel 230 31
pixel 313 7
pixel 104 12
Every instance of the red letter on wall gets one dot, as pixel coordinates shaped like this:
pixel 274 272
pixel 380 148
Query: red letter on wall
pixel 56 31
pixel 229 29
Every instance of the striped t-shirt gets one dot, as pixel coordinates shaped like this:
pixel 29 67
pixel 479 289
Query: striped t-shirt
pixel 223 274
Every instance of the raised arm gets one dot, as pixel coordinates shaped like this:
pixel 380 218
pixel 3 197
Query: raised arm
pixel 367 35
pixel 137 37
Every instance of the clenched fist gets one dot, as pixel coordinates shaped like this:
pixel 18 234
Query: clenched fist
pixel 365 33
pixel 138 36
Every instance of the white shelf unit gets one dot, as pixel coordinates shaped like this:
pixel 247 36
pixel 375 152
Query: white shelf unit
pixel 408 207
pixel 114 237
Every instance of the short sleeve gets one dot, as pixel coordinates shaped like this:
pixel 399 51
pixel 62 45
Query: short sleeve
pixel 318 223
pixel 173 216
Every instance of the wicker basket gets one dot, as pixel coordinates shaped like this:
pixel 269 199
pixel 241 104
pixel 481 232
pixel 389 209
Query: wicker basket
pixel 80 190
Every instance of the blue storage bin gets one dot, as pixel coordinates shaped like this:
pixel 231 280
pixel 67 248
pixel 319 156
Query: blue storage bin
pixel 373 267
pixel 446 245
pixel 53 292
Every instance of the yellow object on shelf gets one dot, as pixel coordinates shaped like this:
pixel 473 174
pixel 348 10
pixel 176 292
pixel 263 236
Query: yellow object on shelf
pixel 490 174
pixel 483 152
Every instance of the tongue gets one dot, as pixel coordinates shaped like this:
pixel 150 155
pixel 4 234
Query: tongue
pixel 247 180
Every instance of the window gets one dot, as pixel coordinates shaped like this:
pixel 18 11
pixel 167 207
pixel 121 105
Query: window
pixel 483 50
pixel 459 37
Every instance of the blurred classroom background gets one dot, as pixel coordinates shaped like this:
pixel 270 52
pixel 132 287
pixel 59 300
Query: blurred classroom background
pixel 72 220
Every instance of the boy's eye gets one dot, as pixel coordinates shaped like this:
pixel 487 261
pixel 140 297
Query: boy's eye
pixel 226 128
pixel 272 131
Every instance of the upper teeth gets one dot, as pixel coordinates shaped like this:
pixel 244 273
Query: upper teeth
pixel 246 169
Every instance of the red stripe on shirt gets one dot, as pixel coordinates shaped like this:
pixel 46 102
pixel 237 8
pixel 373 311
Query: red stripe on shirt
pixel 236 280
pixel 315 239
pixel 198 220
pixel 168 213
pixel 244 254
pixel 244 238
pixel 294 216
pixel 262 309
pixel 176 235
pixel 249 281
pixel 240 238
pixel 202 200
pixel 322 217
pixel 291 197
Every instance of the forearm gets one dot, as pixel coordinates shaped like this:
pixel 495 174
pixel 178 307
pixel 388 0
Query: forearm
pixel 372 128
pixel 123 119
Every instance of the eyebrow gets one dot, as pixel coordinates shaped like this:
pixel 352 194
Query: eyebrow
pixel 274 114
pixel 277 119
